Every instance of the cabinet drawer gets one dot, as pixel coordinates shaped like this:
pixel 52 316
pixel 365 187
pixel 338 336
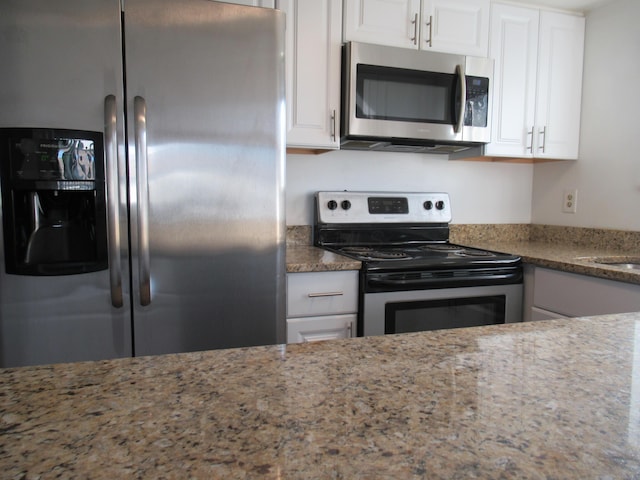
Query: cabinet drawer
pixel 322 293
pixel 324 327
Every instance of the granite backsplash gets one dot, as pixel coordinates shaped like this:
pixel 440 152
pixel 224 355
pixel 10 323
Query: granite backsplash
pixel 465 233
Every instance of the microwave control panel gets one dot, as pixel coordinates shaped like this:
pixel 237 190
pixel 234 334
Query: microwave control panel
pixel 476 111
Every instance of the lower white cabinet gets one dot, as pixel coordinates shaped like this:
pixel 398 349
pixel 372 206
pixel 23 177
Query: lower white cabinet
pixel 556 294
pixel 321 305
pixel 254 3
pixel 325 327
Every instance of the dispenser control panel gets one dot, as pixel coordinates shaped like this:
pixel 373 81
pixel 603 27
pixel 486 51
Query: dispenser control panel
pixel 58 158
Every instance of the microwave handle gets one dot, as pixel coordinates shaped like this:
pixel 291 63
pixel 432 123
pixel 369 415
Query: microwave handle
pixel 463 98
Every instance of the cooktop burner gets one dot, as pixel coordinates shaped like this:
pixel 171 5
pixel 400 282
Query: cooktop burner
pixel 370 253
pixel 457 250
pixel 411 252
pixel 442 247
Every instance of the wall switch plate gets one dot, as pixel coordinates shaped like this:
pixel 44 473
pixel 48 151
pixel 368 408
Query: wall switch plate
pixel 570 200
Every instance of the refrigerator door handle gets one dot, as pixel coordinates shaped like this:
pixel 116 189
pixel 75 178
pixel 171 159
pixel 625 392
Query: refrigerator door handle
pixel 113 199
pixel 140 132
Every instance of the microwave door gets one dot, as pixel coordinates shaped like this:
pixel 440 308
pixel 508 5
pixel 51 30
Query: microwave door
pixel 401 103
pixel 393 93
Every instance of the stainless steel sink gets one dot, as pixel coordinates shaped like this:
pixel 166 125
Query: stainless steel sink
pixel 629 263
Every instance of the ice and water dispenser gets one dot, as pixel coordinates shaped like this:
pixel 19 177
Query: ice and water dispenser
pixel 53 201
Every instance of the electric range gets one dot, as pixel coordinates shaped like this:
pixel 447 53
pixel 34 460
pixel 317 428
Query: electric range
pixel 412 278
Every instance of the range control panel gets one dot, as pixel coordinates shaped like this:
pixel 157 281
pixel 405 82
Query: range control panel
pixel 382 207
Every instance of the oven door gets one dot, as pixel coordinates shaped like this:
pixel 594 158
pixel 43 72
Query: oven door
pixel 421 310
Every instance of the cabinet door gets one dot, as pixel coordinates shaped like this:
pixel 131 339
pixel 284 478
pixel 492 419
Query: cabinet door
pixel 577 295
pixel 254 3
pixel 514 48
pixel 559 94
pixel 538 314
pixel 313 49
pixel 314 329
pixel 455 26
pixel 382 22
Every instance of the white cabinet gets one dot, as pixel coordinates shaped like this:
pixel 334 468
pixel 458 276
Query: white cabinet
pixel 254 3
pixel 313 52
pixel 453 26
pixel 556 294
pixel 537 85
pixel 321 305
pixel 384 22
pixel 314 329
pixel 559 93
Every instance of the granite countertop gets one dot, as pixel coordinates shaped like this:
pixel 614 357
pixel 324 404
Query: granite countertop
pixel 568 258
pixel 552 399
pixel 306 258
pixel 569 249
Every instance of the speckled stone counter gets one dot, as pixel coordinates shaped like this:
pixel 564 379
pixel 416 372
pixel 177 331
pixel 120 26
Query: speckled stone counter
pixel 568 258
pixel 554 399
pixel 305 258
pixel 570 249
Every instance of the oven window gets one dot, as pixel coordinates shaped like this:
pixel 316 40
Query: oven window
pixel 384 93
pixel 403 317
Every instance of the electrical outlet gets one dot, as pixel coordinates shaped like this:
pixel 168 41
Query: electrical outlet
pixel 570 200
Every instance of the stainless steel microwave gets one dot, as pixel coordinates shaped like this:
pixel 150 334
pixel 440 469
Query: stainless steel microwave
pixel 396 99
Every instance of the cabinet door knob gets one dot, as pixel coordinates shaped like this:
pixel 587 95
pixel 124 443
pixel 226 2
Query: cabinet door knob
pixel 430 25
pixel 333 125
pixel 543 132
pixel 415 29
pixel 325 294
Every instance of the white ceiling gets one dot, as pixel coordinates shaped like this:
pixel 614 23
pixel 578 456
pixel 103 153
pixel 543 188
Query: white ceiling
pixel 575 5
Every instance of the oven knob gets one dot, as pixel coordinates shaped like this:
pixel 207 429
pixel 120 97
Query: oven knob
pixel 332 204
pixel 428 205
pixel 439 204
pixel 346 204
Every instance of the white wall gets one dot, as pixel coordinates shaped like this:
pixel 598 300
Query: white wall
pixel 607 174
pixel 480 192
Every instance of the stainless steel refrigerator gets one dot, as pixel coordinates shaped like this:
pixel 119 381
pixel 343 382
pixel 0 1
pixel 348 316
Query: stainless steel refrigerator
pixel 164 119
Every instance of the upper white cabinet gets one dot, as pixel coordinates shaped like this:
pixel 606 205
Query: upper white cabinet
pixel 537 82
pixel 313 52
pixel 384 22
pixel 452 26
pixel 455 26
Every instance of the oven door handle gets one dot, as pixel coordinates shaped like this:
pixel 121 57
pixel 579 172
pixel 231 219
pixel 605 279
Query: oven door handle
pixel 446 281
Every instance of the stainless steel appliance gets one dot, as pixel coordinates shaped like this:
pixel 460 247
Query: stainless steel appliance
pixel 397 99
pixel 412 278
pixel 175 240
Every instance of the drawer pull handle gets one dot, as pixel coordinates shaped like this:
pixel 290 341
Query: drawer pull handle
pixel 325 294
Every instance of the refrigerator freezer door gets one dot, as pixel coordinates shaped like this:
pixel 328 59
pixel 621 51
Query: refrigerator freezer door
pixel 207 225
pixel 60 60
